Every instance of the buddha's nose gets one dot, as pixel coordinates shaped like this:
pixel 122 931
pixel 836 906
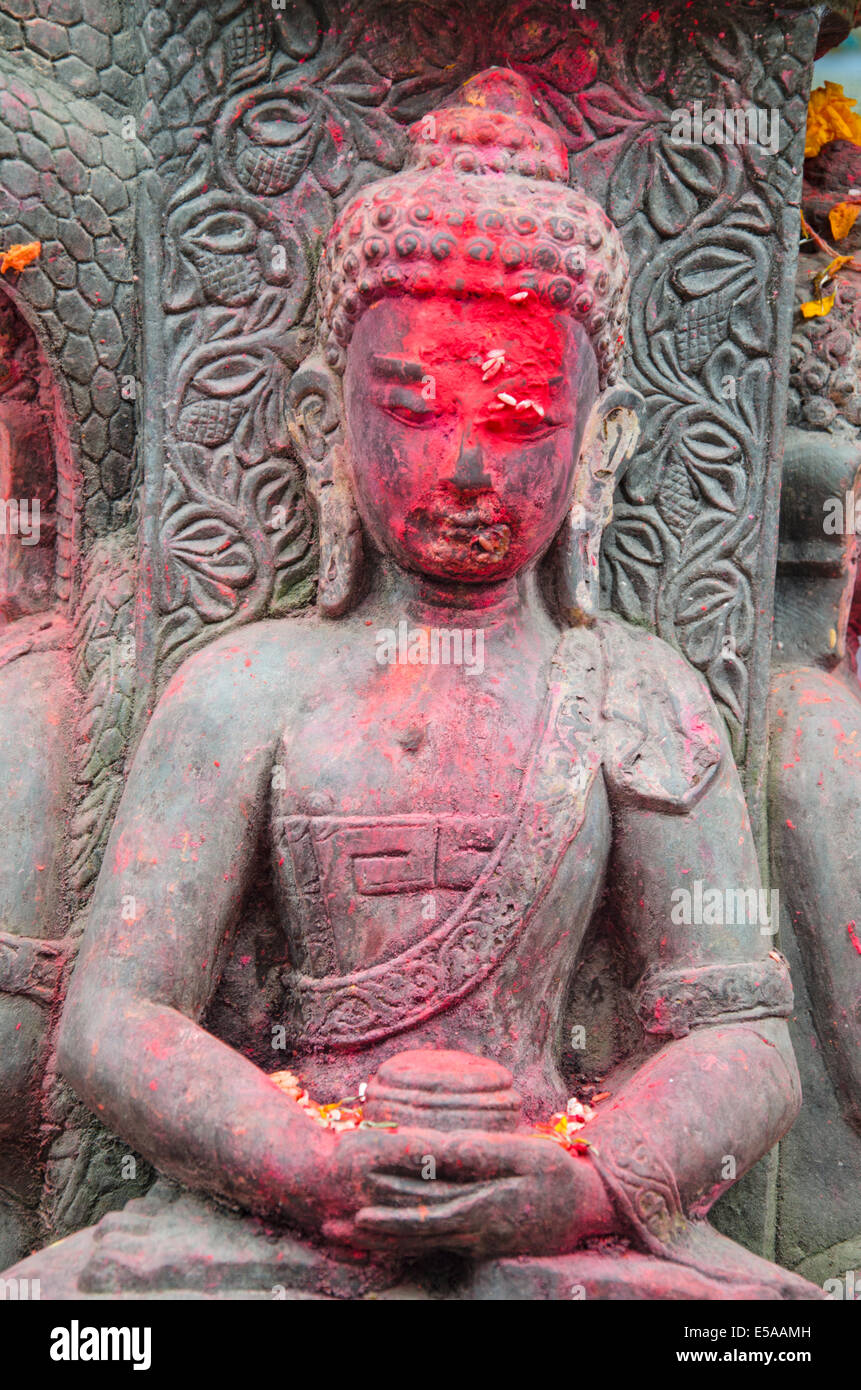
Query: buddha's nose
pixel 469 474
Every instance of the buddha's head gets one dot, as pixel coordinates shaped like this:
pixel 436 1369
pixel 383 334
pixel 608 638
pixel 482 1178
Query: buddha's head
pixel 466 407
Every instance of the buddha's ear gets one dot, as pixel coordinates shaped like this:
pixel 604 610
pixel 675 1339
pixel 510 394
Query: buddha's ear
pixel 612 432
pixel 315 423
pixel 609 441
pixel 315 413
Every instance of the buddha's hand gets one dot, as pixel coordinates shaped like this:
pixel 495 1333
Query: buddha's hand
pixel 478 1193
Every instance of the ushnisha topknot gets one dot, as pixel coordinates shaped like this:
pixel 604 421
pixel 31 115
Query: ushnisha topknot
pixel 482 208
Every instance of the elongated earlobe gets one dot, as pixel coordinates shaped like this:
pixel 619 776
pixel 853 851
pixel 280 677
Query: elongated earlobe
pixel 577 570
pixel 315 428
pixel 341 553
pixel 609 441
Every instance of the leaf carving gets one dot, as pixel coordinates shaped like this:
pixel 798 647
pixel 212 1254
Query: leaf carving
pixel 229 376
pixel 629 179
pixel 721 485
pixel 708 269
pixel 609 112
pixel 671 204
pixel 207 563
pixel 635 538
pixel 700 167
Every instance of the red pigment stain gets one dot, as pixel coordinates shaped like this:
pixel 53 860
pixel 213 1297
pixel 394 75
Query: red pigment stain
pixel 791 826
pixel 122 859
pixel 853 936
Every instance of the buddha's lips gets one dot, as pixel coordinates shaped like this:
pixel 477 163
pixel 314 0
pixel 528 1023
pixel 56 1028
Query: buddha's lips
pixel 478 525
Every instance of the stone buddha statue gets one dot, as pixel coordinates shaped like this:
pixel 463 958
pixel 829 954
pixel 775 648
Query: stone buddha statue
pixel 815 758
pixel 349 845
pixel 814 769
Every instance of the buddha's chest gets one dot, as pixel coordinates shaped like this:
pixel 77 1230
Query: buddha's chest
pixel 421 799
pixel 411 741
pixel 386 812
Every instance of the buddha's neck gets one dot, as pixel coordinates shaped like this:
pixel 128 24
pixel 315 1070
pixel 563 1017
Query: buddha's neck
pixel 433 602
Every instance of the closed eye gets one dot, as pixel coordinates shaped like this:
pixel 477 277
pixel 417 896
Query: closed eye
pixel 411 415
pixel 513 426
pixel 408 408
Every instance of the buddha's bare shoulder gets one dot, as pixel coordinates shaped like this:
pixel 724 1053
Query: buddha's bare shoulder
pixel 814 696
pixel 263 664
pixel 663 736
pixel 815 719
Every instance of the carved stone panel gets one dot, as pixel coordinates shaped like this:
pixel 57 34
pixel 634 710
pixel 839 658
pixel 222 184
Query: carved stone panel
pixel 262 121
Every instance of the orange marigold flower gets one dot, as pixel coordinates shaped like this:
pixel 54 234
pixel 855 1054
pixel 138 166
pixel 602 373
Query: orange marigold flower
pixel 830 117
pixel 19 255
pixel 843 217
pixel 818 308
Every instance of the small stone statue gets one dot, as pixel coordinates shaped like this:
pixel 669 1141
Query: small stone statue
pixel 378 834
pixel 37 697
pixel 815 755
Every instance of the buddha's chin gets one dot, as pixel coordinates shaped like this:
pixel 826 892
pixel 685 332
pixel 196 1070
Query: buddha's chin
pixel 475 551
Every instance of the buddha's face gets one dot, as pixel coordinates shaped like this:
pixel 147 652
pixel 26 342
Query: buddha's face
pixel 465 420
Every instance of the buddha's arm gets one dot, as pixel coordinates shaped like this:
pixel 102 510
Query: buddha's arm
pixel 720 1086
pixel 162 917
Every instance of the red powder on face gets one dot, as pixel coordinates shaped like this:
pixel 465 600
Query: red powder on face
pixel 476 407
pixel 454 338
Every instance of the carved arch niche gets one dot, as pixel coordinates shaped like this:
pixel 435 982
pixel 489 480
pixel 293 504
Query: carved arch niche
pixel 68 352
pixel 67 180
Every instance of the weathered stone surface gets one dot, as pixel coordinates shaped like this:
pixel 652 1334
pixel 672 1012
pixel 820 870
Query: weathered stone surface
pixel 19 178
pixel 89 45
pixel 49 39
pixel 11 34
